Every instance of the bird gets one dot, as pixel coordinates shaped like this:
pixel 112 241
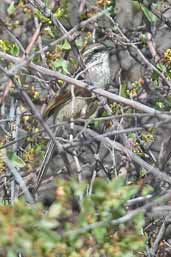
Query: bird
pixel 96 72
pixel 64 107
pixel 97 62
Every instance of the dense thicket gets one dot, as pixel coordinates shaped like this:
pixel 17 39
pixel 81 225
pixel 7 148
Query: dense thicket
pixel 85 128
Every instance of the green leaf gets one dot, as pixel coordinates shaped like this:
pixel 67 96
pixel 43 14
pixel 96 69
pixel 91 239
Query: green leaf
pixel 161 67
pixel 65 46
pixel 11 8
pixel 49 31
pixel 100 233
pixel 61 63
pixel 132 135
pixel 42 18
pixel 148 14
pixel 14 50
pixel 15 159
pixel 60 12
pixel 160 105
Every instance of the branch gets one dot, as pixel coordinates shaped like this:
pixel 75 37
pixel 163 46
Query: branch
pixel 38 116
pixel 116 98
pixel 130 215
pixel 149 168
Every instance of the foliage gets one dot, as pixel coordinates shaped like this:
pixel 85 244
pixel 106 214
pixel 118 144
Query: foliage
pixel 31 231
pixel 147 13
pixel 9 47
pixel 15 159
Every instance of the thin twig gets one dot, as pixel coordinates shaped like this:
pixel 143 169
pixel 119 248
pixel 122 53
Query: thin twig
pixel 130 215
pixel 38 116
pixel 149 169
pixel 155 247
pixel 18 178
pixel 78 83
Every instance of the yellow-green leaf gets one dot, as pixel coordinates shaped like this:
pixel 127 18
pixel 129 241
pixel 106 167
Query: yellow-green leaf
pixel 15 159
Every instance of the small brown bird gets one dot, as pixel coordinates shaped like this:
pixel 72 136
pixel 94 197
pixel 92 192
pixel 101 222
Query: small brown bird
pixel 97 72
pixel 64 109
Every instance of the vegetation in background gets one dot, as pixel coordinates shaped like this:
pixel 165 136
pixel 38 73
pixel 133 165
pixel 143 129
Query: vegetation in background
pixel 62 230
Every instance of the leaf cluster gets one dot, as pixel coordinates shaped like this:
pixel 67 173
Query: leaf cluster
pixel 31 231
